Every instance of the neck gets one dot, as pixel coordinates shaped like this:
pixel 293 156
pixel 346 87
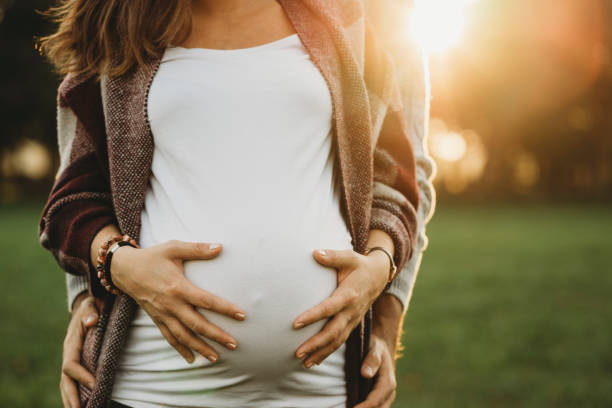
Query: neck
pixel 230 9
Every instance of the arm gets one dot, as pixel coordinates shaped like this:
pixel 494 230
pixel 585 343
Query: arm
pixel 413 77
pixel 79 203
pixel 391 306
pixel 393 225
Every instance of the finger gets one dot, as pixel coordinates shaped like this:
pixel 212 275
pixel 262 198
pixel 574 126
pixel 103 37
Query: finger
pixel 184 351
pixel 331 306
pixel 344 258
pixel 189 339
pixel 78 373
pixel 321 354
pixel 89 315
pixel 70 392
pixel 332 332
pixel 377 397
pixel 89 320
pixel 383 392
pixel 193 250
pixel 209 301
pixel 372 362
pixel 389 400
pixel 388 379
pixel 73 343
pixel 199 324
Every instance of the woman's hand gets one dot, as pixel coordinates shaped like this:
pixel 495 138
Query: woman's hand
pixel 379 361
pixel 84 316
pixel 361 279
pixel 154 277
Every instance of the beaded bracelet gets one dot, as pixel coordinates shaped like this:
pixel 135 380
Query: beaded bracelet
pixel 104 258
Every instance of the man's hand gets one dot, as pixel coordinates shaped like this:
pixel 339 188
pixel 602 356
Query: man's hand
pixel 379 361
pixel 386 327
pixel 84 316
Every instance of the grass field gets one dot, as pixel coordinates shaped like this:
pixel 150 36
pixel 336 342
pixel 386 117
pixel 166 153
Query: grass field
pixel 512 308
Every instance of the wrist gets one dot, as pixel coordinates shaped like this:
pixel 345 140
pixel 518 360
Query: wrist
pixel 120 258
pixel 102 235
pixel 381 266
pixel 380 244
pixel 79 299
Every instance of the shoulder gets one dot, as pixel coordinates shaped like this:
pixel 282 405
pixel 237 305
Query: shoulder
pixel 76 90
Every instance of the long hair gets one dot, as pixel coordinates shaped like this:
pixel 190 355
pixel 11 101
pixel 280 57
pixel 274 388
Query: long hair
pixel 96 37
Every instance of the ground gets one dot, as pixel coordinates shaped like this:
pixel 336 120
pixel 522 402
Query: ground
pixel 512 307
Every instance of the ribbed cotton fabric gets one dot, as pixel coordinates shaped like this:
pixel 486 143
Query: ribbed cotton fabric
pixel 243 156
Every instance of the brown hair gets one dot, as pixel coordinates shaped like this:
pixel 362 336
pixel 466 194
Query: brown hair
pixel 97 37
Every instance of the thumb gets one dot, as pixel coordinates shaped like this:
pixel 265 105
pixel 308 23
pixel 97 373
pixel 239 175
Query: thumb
pixel 372 362
pixel 193 250
pixel 89 315
pixel 336 258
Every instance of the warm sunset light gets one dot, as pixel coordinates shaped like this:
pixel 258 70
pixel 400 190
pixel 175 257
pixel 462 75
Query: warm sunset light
pixel 460 156
pixel 438 24
pixel 449 146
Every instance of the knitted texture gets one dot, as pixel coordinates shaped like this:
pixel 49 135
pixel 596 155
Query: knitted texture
pixel 370 137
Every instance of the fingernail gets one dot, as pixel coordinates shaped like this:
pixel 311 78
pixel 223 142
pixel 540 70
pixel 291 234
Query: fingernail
pixel 231 346
pixel 299 325
pixel 308 364
pixel 368 371
pixel 301 355
pixel 240 316
pixel 190 359
pixel 214 246
pixel 321 252
pixel 212 358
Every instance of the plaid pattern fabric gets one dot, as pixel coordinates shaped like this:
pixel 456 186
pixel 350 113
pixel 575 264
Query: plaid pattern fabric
pixel 106 149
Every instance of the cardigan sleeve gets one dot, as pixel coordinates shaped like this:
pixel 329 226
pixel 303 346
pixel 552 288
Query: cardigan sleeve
pixel 79 203
pixel 413 77
pixel 75 285
pixel 393 206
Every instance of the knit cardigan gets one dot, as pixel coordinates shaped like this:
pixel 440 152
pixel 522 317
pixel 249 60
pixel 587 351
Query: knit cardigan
pixel 106 149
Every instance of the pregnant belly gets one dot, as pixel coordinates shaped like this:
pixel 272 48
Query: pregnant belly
pixel 273 278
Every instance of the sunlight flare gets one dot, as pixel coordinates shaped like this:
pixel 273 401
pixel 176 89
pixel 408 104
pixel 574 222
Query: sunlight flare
pixel 438 25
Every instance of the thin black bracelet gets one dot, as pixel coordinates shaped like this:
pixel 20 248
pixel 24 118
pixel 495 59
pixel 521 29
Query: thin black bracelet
pixel 392 267
pixel 109 257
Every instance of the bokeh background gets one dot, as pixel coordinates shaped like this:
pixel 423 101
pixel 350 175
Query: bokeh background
pixel 513 302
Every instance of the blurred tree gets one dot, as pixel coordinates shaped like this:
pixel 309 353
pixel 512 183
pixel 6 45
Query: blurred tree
pixel 28 83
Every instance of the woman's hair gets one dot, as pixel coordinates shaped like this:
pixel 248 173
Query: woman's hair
pixel 97 37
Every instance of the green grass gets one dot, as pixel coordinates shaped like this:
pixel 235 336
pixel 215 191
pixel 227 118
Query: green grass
pixel 512 307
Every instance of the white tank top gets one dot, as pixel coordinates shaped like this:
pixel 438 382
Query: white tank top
pixel 243 156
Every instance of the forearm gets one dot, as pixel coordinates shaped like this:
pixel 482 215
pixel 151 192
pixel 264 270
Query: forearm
pixel 379 237
pixel 388 309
